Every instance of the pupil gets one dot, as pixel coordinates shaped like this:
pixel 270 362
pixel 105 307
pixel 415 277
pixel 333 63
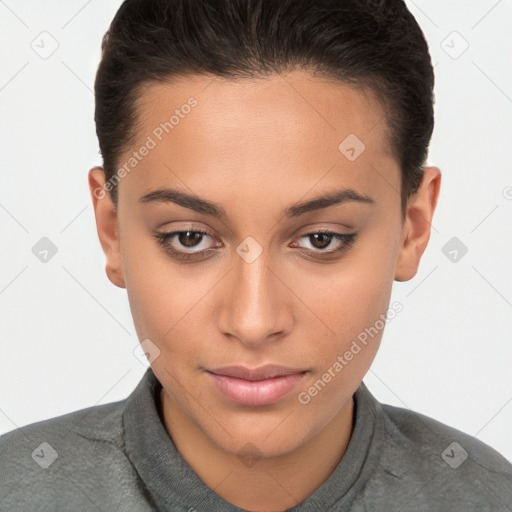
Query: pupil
pixel 326 239
pixel 190 236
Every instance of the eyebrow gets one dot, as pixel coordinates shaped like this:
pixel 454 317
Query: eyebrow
pixel 201 205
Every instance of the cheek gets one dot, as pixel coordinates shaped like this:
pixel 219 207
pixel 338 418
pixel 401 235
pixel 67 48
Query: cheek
pixel 354 295
pixel 158 297
pixel 355 313
pixel 166 300
pixel 350 304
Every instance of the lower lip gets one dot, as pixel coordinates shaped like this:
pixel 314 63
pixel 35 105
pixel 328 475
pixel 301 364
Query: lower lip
pixel 259 392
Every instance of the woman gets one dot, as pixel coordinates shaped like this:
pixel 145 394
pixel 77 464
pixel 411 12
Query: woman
pixel 263 185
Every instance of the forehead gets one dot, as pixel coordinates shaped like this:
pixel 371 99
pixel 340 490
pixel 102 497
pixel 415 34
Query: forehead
pixel 296 100
pixel 295 126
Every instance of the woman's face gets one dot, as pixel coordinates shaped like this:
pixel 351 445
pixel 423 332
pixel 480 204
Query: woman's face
pixel 259 287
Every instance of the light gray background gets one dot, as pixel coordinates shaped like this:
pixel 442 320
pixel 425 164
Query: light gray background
pixel 67 336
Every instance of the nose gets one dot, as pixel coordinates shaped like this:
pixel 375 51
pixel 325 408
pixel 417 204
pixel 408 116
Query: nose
pixel 256 304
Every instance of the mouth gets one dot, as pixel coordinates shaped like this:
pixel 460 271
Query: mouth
pixel 255 387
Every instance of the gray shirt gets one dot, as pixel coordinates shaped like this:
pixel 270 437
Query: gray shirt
pixel 119 457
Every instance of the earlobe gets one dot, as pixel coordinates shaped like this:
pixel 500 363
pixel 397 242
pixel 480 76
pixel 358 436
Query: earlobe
pixel 417 224
pixel 107 226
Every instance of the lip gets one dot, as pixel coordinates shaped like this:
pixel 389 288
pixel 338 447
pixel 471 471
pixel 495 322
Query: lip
pixel 258 386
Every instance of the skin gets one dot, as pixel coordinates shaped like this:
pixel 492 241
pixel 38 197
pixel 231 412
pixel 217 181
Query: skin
pixel 257 147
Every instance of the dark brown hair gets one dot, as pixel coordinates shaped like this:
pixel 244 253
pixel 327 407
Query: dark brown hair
pixel 368 43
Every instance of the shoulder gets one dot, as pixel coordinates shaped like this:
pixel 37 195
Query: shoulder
pixel 100 423
pixel 67 460
pixel 433 438
pixel 440 463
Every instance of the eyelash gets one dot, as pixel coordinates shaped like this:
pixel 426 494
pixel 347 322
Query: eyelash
pixel 164 238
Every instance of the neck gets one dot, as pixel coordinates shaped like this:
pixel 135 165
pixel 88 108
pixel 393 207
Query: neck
pixel 268 483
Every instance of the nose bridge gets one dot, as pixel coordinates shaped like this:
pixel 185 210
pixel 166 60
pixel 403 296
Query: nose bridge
pixel 255 308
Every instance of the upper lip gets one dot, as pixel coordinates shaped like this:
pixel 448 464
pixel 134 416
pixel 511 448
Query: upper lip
pixel 261 373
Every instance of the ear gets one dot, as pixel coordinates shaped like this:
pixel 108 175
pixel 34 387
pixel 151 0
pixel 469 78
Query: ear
pixel 417 224
pixel 107 226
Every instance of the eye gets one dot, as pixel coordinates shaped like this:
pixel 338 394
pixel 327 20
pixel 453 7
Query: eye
pixel 179 244
pixel 321 240
pixel 175 241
